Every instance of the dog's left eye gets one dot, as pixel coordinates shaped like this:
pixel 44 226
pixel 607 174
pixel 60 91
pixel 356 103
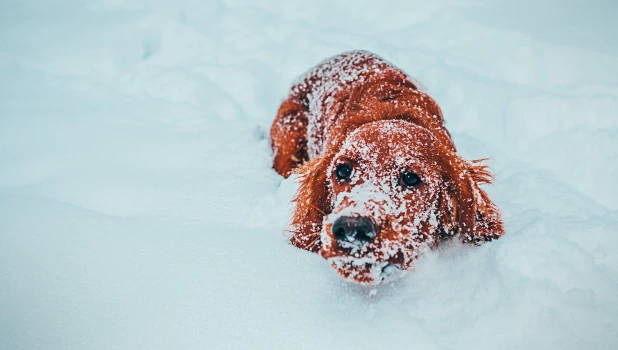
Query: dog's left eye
pixel 343 171
pixel 410 179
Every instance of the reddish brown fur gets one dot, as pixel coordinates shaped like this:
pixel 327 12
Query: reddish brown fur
pixel 359 89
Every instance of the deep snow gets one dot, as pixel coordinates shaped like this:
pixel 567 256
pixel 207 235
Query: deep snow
pixel 138 209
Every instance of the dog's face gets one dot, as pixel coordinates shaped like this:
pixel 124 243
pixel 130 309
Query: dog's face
pixel 385 187
pixel 389 192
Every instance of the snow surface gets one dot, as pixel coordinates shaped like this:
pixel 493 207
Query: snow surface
pixel 138 209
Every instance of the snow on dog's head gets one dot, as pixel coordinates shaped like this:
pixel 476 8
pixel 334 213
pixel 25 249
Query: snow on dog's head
pixel 390 192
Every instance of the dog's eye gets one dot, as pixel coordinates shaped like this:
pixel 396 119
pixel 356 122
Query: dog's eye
pixel 343 171
pixel 410 179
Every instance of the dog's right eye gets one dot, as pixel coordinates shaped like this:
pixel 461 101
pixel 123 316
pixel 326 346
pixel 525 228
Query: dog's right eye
pixel 343 171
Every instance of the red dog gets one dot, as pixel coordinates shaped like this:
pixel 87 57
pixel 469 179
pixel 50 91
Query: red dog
pixel 380 180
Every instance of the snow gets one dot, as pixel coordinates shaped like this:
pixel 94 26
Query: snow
pixel 138 208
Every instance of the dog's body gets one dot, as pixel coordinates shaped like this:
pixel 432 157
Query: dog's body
pixel 379 177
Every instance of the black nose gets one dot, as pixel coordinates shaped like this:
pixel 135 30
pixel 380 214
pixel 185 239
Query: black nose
pixel 356 229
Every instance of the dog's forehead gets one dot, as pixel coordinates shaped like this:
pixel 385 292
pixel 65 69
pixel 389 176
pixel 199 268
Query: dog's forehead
pixel 393 141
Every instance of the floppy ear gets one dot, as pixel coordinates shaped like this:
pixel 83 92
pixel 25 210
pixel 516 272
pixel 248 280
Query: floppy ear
pixel 466 208
pixel 312 204
pixel 288 137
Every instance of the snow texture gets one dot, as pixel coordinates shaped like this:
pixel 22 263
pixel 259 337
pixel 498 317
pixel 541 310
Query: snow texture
pixel 138 209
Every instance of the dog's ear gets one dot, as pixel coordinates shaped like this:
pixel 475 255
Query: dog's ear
pixel 467 210
pixel 312 204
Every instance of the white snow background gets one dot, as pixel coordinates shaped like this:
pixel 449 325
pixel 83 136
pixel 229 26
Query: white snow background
pixel 138 209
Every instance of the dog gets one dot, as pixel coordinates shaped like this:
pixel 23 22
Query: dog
pixel 380 181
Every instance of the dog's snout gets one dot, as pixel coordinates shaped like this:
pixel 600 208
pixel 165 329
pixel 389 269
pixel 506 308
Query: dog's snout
pixel 356 229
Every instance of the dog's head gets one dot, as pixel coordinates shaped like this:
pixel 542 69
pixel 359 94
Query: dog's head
pixel 389 192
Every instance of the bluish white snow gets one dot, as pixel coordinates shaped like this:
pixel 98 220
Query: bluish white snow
pixel 138 209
